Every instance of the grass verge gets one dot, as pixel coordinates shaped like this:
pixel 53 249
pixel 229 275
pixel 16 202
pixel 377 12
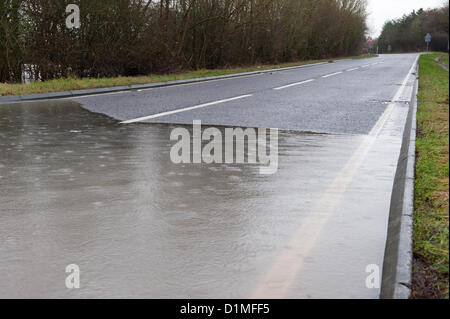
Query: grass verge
pixel 68 84
pixel 431 225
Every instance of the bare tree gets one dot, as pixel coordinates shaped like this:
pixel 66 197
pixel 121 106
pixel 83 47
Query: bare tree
pixel 131 37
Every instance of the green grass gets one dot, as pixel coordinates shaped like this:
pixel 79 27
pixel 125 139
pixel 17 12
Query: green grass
pixel 431 228
pixel 68 84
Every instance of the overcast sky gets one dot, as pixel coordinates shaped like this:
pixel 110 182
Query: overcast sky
pixel 382 10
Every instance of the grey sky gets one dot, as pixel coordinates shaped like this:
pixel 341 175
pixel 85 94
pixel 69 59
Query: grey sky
pixel 382 10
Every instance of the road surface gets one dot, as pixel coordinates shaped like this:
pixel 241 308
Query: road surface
pixel 94 186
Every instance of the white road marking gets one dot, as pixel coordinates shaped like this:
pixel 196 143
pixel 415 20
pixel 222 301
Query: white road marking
pixel 384 117
pixel 154 116
pixel 284 271
pixel 263 72
pixel 332 74
pixel 293 84
pixel 366 66
pixel 354 69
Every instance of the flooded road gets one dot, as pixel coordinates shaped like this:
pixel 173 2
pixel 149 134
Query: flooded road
pixel 77 187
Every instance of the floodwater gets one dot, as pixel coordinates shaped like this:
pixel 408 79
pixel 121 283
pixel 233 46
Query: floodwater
pixel 80 188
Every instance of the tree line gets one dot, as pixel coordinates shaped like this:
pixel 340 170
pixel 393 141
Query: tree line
pixel 408 33
pixel 136 37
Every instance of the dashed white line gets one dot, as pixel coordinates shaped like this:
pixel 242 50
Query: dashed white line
pixel 332 74
pixel 154 116
pixel 366 66
pixel 293 84
pixel 354 69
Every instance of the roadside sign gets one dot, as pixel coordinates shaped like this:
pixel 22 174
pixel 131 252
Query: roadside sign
pixel 428 40
pixel 369 43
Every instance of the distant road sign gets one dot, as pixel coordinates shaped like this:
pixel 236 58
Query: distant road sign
pixel 369 43
pixel 428 41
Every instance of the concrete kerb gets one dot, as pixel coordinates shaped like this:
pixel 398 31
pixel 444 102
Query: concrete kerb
pixel 398 259
pixel 438 61
pixel 77 93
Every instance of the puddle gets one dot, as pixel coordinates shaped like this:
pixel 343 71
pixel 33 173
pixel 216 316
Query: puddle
pixel 77 187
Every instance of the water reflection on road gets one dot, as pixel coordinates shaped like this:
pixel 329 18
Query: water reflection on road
pixel 77 187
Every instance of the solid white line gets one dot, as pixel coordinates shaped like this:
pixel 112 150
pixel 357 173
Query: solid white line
pixel 285 270
pixel 154 116
pixel 332 74
pixel 350 70
pixel 385 116
pixel 293 84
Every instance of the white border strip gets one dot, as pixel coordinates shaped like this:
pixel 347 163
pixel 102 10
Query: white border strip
pixel 384 117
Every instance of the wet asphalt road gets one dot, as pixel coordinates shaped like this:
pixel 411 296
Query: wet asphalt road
pixel 349 102
pixel 79 187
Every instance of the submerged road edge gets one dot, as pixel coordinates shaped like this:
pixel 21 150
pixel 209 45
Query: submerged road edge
pixel 398 258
